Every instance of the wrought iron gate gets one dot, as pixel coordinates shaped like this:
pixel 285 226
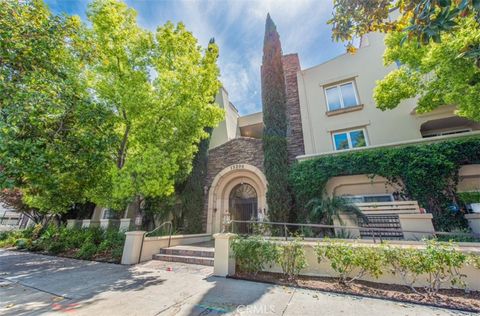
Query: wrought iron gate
pixel 386 221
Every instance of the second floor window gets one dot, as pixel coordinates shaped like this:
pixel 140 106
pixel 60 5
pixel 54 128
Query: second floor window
pixel 349 139
pixel 341 96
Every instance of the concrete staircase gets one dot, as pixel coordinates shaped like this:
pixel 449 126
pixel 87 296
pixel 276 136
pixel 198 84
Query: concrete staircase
pixel 201 254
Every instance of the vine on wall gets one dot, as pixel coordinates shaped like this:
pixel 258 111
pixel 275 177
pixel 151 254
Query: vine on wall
pixel 429 173
pixel 192 193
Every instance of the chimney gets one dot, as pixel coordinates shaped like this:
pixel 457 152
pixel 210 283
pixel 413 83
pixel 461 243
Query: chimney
pixel 295 146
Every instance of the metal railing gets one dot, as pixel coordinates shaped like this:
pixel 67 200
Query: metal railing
pixel 10 218
pixel 375 232
pixel 170 231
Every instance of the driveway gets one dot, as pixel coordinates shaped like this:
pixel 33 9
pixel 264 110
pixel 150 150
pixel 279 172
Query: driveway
pixel 32 284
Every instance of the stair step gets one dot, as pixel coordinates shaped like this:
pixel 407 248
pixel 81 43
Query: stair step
pixel 185 259
pixel 187 252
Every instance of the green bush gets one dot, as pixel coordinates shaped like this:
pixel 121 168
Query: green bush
pixel 437 263
pixel 22 243
pixel 350 261
pixel 87 251
pixel 112 245
pixel 87 243
pixel 292 258
pixel 475 261
pixel 253 254
pixel 9 239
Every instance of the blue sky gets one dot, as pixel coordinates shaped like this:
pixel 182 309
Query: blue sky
pixel 238 27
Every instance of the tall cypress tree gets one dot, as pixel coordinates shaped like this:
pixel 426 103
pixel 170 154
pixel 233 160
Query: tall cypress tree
pixel 275 125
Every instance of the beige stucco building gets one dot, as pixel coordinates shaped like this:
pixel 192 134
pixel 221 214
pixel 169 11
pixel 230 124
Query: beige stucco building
pixel 330 109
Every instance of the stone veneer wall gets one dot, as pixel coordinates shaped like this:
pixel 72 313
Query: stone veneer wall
pixel 242 150
pixel 295 146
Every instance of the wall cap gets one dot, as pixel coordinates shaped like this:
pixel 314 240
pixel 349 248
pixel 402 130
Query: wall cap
pixel 224 236
pixel 153 238
pixel 135 233
pixel 472 216
pixel 416 216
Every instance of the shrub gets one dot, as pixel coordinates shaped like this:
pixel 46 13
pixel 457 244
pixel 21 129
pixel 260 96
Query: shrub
pixel 22 243
pixel 87 251
pixel 437 263
pixel 252 254
pixel 352 262
pixel 86 243
pixel 475 261
pixel 112 245
pixel 292 258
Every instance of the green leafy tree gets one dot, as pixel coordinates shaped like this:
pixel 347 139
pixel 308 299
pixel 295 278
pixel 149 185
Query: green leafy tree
pixel 161 89
pixel 433 72
pixel 422 20
pixel 275 126
pixel 54 137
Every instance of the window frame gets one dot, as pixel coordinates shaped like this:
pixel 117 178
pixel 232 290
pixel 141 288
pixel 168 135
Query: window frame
pixel 339 90
pixel 349 139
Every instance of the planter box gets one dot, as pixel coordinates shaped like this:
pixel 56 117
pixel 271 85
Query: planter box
pixel 475 207
pixel 474 222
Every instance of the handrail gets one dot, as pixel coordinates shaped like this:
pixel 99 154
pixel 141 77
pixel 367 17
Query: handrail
pixel 155 229
pixel 160 226
pixel 370 229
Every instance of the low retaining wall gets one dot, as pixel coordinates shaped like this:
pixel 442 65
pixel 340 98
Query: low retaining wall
pixel 225 262
pixel 135 244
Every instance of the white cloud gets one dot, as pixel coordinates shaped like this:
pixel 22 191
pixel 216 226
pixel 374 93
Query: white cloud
pixel 238 28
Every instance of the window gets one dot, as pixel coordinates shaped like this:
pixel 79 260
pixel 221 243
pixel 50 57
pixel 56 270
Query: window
pixel 349 139
pixel 341 96
pixel 368 198
pixel 110 214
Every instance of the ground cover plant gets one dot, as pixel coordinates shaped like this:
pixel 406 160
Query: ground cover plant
pixel 86 243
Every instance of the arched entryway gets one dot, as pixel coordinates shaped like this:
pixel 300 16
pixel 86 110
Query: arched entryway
pixel 243 205
pixel 238 190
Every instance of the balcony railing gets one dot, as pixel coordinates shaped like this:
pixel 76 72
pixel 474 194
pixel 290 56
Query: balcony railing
pixel 397 207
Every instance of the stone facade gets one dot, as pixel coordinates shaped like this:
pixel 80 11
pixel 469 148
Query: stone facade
pixel 295 146
pixel 242 150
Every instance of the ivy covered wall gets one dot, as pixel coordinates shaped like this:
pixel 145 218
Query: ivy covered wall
pixel 429 173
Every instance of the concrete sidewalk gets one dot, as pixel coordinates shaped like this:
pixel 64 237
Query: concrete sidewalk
pixel 32 284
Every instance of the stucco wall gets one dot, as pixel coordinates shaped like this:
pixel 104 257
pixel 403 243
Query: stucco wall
pixel 364 67
pixel 228 128
pixel 469 178
pixel 362 184
pixel 359 185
